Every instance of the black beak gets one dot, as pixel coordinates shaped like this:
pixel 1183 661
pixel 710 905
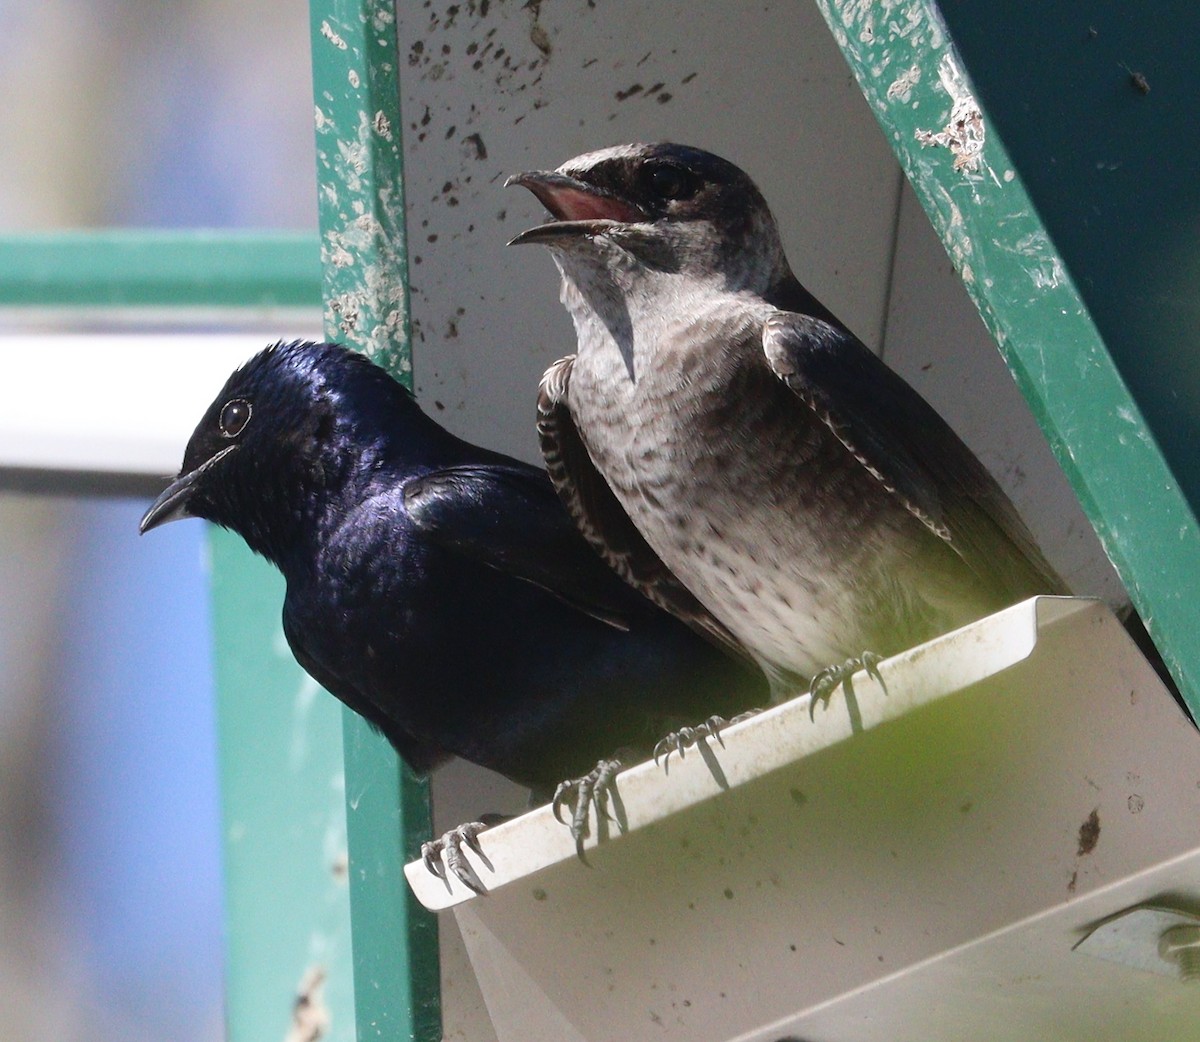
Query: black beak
pixel 172 503
pixel 577 207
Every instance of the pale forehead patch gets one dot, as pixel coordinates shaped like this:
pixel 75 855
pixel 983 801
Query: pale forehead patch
pixel 590 159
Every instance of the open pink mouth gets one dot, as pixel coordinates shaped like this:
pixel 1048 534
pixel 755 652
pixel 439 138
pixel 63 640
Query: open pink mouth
pixel 571 200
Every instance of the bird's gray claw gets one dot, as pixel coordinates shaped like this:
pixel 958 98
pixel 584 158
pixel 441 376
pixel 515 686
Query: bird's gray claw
pixel 825 682
pixel 687 737
pixel 594 789
pixel 821 687
pixel 431 854
pixel 444 857
pixel 564 794
pixel 870 663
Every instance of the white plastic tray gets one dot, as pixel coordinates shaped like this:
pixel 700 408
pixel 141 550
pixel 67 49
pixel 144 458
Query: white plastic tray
pixel 926 878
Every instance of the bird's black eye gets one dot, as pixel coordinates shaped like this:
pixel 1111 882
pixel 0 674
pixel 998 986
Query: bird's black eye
pixel 666 181
pixel 234 417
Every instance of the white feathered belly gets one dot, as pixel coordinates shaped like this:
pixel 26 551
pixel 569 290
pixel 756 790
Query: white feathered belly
pixel 739 520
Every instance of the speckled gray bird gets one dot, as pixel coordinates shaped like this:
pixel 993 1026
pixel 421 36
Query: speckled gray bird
pixel 734 451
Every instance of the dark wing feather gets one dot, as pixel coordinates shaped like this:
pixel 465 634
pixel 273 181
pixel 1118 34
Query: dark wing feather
pixel 507 516
pixel 603 521
pixel 899 438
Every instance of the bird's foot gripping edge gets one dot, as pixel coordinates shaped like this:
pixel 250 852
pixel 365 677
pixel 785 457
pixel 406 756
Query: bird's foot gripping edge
pixel 445 855
pixel 596 789
pixel 824 683
pixel 688 737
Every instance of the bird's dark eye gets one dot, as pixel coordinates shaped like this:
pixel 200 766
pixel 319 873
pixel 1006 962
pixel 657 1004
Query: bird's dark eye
pixel 234 417
pixel 671 182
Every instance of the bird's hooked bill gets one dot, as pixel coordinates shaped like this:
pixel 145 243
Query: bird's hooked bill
pixel 577 207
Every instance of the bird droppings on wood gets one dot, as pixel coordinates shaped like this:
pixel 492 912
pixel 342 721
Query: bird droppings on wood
pixel 964 132
pixel 476 142
pixel 332 37
pixel 1089 833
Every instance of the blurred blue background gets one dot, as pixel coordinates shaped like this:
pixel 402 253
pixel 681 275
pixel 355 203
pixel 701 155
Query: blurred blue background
pixel 134 790
pixel 124 113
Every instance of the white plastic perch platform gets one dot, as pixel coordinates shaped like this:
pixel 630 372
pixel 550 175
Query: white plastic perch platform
pixel 919 868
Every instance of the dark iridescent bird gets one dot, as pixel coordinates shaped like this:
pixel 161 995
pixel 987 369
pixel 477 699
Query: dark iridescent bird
pixel 734 451
pixel 439 589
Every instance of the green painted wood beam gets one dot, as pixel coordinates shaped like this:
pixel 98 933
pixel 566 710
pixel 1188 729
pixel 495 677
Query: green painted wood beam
pixel 363 255
pixel 320 813
pixel 160 269
pixel 283 801
pixel 1059 254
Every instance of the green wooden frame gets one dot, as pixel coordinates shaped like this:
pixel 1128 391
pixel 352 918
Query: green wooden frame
pixel 1027 238
pixel 137 268
pixel 377 956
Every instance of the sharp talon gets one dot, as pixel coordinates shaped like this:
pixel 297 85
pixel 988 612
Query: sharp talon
pixel 870 663
pixel 444 857
pixel 470 833
pixel 714 724
pixel 698 736
pixel 463 872
pixel 431 854
pixel 826 681
pixel 664 747
pixel 594 790
pixel 562 795
pixel 579 820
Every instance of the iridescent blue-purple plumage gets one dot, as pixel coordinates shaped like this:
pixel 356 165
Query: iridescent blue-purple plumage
pixel 437 588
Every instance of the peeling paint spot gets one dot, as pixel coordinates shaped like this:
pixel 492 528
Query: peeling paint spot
pixel 963 135
pixel 332 37
pixel 1049 274
pixel 902 86
pixel 352 76
pixel 310 1015
pixel 382 126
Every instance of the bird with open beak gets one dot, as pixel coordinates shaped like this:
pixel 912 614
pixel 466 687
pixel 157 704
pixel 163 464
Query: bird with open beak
pixel 734 451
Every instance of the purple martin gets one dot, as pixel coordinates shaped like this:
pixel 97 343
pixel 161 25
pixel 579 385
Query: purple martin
pixel 734 451
pixel 437 588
